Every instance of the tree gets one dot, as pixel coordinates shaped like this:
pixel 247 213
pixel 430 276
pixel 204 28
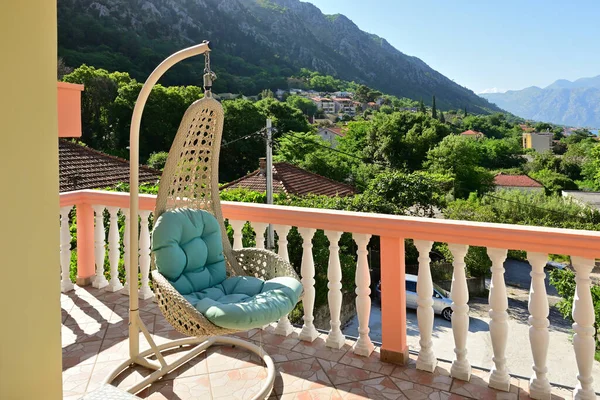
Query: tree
pixel 402 139
pixel 466 114
pixel 459 157
pixel 433 110
pixel 422 107
pixel 285 117
pixel 238 158
pixel 501 153
pixel 158 160
pixel 554 182
pixel 303 104
pixel 365 94
pixel 442 118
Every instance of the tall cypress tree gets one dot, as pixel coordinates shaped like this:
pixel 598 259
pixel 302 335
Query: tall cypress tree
pixel 433 110
pixel 422 106
pixel 466 111
pixel 442 118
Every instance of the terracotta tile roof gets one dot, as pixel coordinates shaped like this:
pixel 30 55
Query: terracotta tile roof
pixel 336 130
pixel 81 167
pixel 289 179
pixel 471 132
pixel 515 181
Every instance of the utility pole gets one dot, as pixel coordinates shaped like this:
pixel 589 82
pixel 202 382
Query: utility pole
pixel 269 176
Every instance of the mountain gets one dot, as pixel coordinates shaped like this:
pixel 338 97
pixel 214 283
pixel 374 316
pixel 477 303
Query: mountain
pixel 563 102
pixel 258 44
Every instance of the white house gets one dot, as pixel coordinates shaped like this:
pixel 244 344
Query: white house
pixel 330 134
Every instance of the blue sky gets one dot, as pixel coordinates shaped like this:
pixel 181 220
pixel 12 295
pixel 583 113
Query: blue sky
pixel 508 44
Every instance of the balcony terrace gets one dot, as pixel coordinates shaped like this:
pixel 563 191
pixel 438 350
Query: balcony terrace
pixel 315 364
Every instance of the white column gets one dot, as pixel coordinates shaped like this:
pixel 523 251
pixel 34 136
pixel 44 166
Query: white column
pixel 260 228
pixel 426 360
pixel 145 292
pixel 114 250
pixel 65 250
pixel 461 369
pixel 583 340
pixel 284 327
pixel 238 235
pixel 307 270
pixel 499 378
pixel 363 346
pixel 539 386
pixel 126 250
pixel 99 248
pixel 334 277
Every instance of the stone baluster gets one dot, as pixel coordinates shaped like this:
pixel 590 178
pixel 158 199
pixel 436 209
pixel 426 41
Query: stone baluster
pixel 539 338
pixel 426 360
pixel 307 270
pixel 363 346
pixel 145 292
pixel 498 302
pixel 65 250
pixel 284 326
pixel 461 369
pixel 126 250
pixel 260 228
pixel 238 233
pixel 583 340
pixel 334 276
pixel 99 248
pixel 114 250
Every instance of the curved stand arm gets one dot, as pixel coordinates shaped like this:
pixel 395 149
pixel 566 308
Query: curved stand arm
pixel 134 162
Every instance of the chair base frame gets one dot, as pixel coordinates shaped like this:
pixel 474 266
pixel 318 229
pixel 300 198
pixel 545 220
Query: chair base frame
pixel 202 344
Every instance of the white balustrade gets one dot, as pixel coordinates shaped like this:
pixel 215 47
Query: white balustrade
pixel 260 228
pixel 114 250
pixel 309 332
pixel 426 360
pixel 65 250
pixel 539 386
pixel 284 326
pixel 363 346
pixel 498 301
pixel 126 250
pixel 334 276
pixel 238 234
pixel 145 292
pixel 99 248
pixel 461 369
pixel 583 340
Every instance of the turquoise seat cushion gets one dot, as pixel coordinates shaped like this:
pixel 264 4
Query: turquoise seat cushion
pixel 189 253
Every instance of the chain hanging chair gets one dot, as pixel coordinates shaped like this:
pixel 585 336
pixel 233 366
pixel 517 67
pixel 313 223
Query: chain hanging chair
pixel 193 264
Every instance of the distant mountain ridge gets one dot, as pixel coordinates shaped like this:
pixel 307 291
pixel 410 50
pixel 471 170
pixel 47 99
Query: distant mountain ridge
pixel 575 103
pixel 258 43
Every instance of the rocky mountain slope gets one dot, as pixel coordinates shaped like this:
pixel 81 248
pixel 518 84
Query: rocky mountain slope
pixel 258 44
pixel 563 102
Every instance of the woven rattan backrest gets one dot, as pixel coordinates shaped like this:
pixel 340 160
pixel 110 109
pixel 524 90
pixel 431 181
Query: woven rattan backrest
pixel 191 175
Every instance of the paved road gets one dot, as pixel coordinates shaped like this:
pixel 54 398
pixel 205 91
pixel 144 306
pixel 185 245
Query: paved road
pixel 561 358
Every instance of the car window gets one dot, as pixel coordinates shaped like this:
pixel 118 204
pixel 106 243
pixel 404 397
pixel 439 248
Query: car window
pixel 411 286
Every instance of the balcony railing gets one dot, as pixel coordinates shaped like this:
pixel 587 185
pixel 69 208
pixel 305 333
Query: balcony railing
pixel 582 246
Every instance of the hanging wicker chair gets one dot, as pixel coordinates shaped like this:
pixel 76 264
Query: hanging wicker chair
pixel 190 181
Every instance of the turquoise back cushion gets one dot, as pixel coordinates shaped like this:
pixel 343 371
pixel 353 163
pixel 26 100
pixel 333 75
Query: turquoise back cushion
pixel 188 249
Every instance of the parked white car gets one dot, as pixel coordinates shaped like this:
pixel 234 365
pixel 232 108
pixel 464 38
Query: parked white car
pixel 441 298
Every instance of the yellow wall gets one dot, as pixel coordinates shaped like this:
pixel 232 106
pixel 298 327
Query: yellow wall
pixel 30 348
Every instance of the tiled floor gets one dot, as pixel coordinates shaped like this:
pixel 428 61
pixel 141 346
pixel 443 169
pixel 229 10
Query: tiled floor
pixel 94 339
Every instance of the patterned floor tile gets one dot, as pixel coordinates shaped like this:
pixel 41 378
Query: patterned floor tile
pixel 326 393
pixel 557 393
pixel 85 315
pixel 414 391
pixel 478 388
pixel 79 333
pixel 319 349
pixel 114 349
pixel 440 379
pixel 194 367
pixel 126 379
pixel 237 384
pixel 197 387
pixel 379 388
pixel 80 353
pixel 225 358
pixel 279 354
pixel 299 376
pixel 285 342
pixel 76 378
pixel 371 363
pixel 342 373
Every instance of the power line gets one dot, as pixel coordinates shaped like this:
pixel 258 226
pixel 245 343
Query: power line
pixel 257 133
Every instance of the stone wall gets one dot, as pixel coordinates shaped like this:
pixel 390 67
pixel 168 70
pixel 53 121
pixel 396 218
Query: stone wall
pixel 322 316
